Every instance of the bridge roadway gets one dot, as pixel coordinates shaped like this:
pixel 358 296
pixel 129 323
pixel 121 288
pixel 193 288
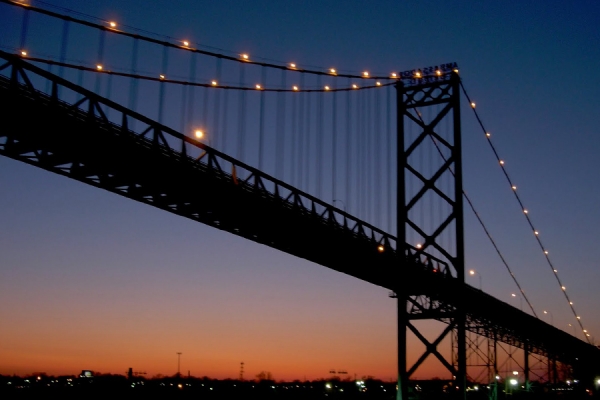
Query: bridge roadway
pixel 165 169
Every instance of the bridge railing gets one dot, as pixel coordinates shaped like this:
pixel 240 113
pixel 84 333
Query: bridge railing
pixel 23 75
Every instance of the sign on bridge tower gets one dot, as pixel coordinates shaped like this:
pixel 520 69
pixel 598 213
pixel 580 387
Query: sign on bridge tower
pixel 430 218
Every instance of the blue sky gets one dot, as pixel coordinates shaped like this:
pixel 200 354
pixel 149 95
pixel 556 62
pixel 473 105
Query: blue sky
pixel 107 267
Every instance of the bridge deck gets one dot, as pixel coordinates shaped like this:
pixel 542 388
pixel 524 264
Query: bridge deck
pixel 80 142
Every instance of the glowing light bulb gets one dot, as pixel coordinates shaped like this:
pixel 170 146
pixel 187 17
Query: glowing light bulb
pixel 354 86
pixel 378 83
pixel 501 162
pixel 394 75
pixel 438 72
pixel 295 88
pixel 546 252
pixel 245 56
pixel 555 271
pixel 563 288
pixel 199 133
pixel 525 211
pixel 366 74
pixel 112 24
pixel 186 43
pixel 326 87
pixel 455 70
pixel 214 83
pixel 514 187
pixel 23 53
pixel 292 65
pixel 333 71
pixel 419 245
pixel 488 134
pixel 161 76
pixel 99 67
pixel 536 233
pixel 578 317
pixel 570 303
pixel 471 272
pixel 418 74
pixel 380 248
pixel 473 104
pixel 258 87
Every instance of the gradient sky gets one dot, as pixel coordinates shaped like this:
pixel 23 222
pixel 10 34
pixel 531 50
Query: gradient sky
pixel 91 280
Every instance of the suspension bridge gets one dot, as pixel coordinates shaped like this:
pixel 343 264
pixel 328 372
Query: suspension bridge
pixel 267 151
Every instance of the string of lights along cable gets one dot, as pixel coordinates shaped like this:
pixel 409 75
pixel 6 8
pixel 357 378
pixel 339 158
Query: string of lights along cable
pixel 303 125
pixel 526 214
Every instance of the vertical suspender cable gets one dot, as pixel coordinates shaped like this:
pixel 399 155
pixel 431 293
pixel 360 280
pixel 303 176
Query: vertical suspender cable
pixel 389 165
pixel 280 130
pixel 334 144
pixel 348 136
pixel 294 145
pixel 320 140
pixel 307 154
pixel 241 116
pixel 133 83
pixel 301 136
pixel 218 141
pixel 191 95
pixel 63 46
pixel 24 29
pixel 100 57
pixel 261 119
pixel 378 156
pixel 162 86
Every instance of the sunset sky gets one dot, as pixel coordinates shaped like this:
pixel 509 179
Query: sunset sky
pixel 92 280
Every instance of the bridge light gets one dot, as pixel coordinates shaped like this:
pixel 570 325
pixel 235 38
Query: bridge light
pixel 555 271
pixel 514 382
pixel 326 87
pixel 354 86
pixel 419 245
pixel 366 74
pixel 380 248
pixel 199 133
pixel 99 67
pixel 161 76
pixel 472 104
pixel 571 303
pixel 501 162
pixel 295 88
pixel 418 74
pixel 438 72
pixel 536 233
pixel 578 317
pixel 245 57
pixel 394 75
pixel 333 71
pixel 186 43
pixel 214 83
pixel 514 187
pixel 472 272
pixel 455 70
pixel 546 252
pixel 525 212
pixel 292 65
pixel 112 24
pixel 378 83
pixel 488 134
pixel 23 53
pixel 563 288
pixel 258 87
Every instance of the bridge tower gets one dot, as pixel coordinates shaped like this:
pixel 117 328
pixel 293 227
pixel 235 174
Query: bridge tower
pixel 430 213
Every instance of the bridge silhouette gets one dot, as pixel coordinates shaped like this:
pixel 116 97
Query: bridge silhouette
pixel 84 135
